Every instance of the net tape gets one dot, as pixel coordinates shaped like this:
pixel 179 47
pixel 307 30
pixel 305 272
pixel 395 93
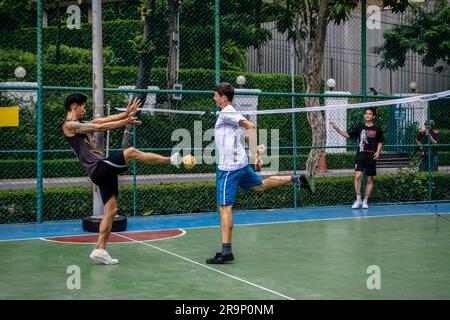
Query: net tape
pixel 423 98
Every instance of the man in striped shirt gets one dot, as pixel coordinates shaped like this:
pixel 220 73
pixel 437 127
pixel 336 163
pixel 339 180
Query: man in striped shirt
pixel 230 131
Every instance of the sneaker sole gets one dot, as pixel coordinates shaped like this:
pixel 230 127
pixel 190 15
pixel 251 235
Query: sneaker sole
pixel 224 262
pixel 103 261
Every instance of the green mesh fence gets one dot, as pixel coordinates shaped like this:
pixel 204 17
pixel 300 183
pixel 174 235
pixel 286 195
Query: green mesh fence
pixel 161 46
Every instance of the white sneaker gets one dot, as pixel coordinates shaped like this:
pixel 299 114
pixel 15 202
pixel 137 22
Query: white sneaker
pixel 365 205
pixel 176 160
pixel 103 257
pixel 356 204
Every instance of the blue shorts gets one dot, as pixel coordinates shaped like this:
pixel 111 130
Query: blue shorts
pixel 229 181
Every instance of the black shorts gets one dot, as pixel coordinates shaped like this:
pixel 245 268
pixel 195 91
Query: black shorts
pixel 367 164
pixel 106 173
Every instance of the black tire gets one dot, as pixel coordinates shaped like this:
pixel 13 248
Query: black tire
pixel 92 224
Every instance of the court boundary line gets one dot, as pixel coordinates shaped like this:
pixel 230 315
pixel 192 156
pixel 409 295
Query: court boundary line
pixel 261 223
pixel 209 268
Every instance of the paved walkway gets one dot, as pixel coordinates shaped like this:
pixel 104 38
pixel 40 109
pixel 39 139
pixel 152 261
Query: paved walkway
pixel 8 184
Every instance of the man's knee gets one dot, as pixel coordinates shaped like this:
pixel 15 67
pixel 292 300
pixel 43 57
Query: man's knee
pixel 130 153
pixel 358 175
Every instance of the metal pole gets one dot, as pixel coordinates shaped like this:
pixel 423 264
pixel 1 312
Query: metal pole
pixel 134 176
pixel 217 64
pixel 429 151
pixel 363 50
pixel 217 39
pixel 294 135
pixel 40 93
pixel 97 82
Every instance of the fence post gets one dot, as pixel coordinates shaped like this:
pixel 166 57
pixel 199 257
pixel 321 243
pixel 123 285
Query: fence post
pixel 40 93
pixel 217 66
pixel 363 73
pixel 294 136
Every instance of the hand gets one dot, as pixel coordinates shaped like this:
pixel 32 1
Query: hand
pixel 133 120
pixel 376 155
pixel 133 107
pixel 260 148
pixel 258 163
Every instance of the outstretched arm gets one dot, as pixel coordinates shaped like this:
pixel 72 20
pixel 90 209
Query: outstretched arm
pixel 341 132
pixel 131 110
pixel 74 127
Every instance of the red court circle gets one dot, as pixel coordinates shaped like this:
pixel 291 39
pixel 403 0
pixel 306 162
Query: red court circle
pixel 120 237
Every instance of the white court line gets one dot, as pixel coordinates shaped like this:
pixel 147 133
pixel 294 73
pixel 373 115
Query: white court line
pixel 207 267
pixel 258 223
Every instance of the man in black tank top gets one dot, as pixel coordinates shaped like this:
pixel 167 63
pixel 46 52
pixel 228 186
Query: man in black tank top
pixel 104 171
pixel 369 138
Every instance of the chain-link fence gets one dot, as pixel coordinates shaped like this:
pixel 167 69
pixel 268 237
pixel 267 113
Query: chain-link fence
pixel 171 53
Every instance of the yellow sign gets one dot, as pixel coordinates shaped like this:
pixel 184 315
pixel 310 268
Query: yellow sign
pixel 9 116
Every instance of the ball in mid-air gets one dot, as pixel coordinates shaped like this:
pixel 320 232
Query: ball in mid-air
pixel 189 161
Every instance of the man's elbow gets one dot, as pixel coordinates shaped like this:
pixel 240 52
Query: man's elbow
pixel 99 127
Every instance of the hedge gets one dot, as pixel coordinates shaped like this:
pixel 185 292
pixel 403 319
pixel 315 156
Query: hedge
pixel 63 168
pixel 175 198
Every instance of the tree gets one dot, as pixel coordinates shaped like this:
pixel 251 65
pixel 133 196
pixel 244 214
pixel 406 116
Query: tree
pixel 16 14
pixel 174 47
pixel 243 26
pixel 427 34
pixel 146 47
pixel 305 22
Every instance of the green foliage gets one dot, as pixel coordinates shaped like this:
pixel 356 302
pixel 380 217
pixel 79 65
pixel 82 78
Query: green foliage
pixel 73 55
pixel 19 57
pixel 157 130
pixel 410 185
pixel 124 37
pixel 16 14
pixel 292 16
pixel 427 34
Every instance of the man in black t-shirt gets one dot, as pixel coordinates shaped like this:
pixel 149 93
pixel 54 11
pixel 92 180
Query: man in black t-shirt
pixel 369 138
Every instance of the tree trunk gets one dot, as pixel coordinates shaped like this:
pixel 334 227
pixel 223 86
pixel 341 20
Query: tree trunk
pixel 146 59
pixel 174 48
pixel 314 62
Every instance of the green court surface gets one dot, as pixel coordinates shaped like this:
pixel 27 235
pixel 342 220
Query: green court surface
pixel 321 259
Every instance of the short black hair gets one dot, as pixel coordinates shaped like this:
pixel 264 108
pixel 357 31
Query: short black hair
pixel 77 98
pixel 374 112
pixel 225 89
